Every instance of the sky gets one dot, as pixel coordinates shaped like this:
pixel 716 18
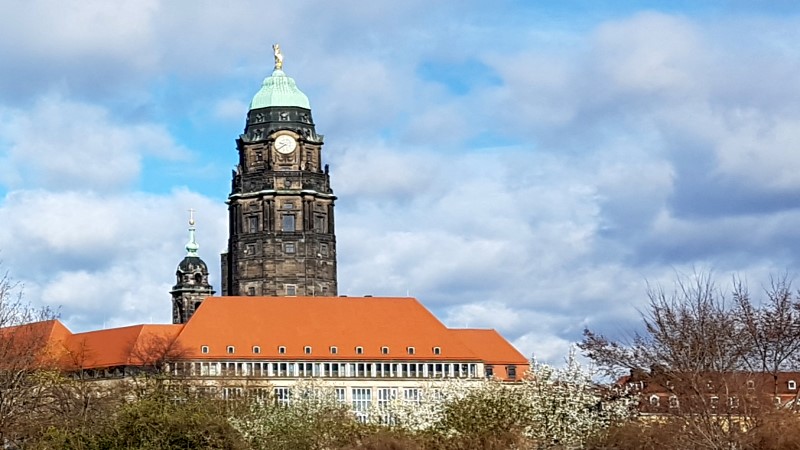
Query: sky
pixel 526 166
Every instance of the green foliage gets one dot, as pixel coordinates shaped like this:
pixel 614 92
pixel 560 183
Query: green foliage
pixel 157 421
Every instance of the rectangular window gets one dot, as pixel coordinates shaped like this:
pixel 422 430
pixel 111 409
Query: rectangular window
pixel 250 249
pixel 320 224
pixel 362 401
pixel 340 394
pixel 282 395
pixel 323 249
pixel 291 290
pixel 289 247
pixel 489 371
pixel 252 224
pixel 412 395
pixel 251 291
pixel 288 222
pixel 512 372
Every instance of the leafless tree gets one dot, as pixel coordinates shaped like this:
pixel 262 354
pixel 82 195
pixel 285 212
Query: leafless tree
pixel 706 355
pixel 769 332
pixel 26 359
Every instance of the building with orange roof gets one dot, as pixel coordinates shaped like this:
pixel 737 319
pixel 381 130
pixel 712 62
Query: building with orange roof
pixel 280 319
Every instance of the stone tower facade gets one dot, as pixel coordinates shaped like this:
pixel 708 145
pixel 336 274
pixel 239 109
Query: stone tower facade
pixel 281 222
pixel 192 284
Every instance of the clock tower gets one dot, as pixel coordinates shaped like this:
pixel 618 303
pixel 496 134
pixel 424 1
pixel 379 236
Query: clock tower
pixel 281 228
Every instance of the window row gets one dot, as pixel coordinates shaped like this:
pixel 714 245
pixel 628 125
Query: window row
pixel 288 223
pixel 289 248
pixel 327 369
pixel 256 350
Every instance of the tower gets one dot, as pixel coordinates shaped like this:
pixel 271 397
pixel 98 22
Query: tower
pixel 192 284
pixel 281 228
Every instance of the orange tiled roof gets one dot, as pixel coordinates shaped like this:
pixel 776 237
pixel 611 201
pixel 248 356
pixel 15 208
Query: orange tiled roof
pixel 320 322
pixel 115 346
pixel 490 346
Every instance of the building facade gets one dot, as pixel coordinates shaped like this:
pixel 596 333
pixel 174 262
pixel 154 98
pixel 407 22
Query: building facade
pixel 281 206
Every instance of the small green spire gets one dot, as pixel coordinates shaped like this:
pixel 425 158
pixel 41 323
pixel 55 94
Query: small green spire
pixel 191 246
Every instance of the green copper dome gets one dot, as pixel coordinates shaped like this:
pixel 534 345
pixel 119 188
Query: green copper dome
pixel 279 90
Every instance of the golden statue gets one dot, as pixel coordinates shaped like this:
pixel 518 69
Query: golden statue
pixel 278 57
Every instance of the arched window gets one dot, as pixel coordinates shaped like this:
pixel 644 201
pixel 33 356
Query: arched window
pixel 231 350
pixel 256 349
pixel 281 350
pixel 654 400
pixel 359 350
pixel 437 350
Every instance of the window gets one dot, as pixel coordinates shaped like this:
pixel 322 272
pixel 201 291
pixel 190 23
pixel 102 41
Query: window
pixel 251 291
pixel 359 350
pixel 231 350
pixel 437 350
pixel 733 402
pixel 488 371
pixel 792 385
pixel 250 249
pixel 204 349
pixel 334 350
pixel 256 349
pixel 751 384
pixel 714 401
pixel 288 247
pixel 288 222
pixel 323 249
pixel 654 400
pixel 320 224
pixel 288 205
pixel 259 156
pixel 291 289
pixel 673 401
pixel 281 350
pixel 282 395
pixel 410 350
pixel 252 224
pixel 511 371
pixel 412 395
pixel 307 350
pixel 340 394
pixel 384 350
pixel 362 400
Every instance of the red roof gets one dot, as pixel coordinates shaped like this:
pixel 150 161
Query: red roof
pixel 116 346
pixel 295 323
pixel 383 328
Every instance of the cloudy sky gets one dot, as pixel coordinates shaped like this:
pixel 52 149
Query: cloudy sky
pixel 526 166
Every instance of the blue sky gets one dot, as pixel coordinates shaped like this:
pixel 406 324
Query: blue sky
pixel 526 166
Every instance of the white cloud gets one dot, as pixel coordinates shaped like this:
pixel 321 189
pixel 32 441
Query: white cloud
pixel 105 258
pixel 64 144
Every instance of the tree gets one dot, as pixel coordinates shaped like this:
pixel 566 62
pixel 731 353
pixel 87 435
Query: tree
pixel 708 355
pixel 25 359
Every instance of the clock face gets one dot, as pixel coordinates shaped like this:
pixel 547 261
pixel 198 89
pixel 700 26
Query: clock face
pixel 285 144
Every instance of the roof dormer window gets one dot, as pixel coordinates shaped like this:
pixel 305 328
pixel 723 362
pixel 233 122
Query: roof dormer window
pixel 256 349
pixel 281 350
pixel 334 350
pixel 384 350
pixel 307 349
pixel 231 350
pixel 410 350
pixel 204 349
pixel 359 350
pixel 437 350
